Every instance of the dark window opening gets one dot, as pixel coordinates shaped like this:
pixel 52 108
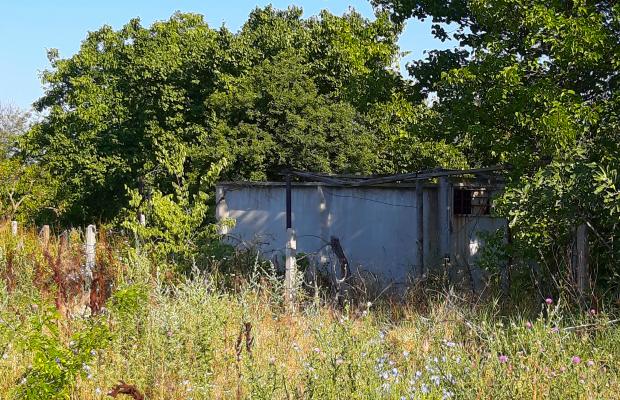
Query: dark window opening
pixel 462 201
pixel 471 202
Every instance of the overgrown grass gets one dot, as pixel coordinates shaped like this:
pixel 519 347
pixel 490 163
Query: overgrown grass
pixel 190 338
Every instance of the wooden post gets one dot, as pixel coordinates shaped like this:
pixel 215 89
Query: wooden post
pixel 507 268
pixel 44 235
pixel 419 228
pixel 289 211
pixel 91 241
pixel 444 218
pixel 14 228
pixel 581 268
pixel 290 275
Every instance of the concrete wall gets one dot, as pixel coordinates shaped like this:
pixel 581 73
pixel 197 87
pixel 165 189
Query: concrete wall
pixel 376 225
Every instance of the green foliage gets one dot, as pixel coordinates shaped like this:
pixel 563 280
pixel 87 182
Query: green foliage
pixel 56 365
pixel 608 185
pixel 154 109
pixel 128 300
pixel 534 85
pixel 26 189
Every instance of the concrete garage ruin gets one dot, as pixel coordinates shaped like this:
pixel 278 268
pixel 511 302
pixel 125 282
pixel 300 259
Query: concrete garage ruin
pixel 391 230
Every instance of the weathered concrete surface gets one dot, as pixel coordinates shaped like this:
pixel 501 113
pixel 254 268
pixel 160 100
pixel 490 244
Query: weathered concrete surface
pixel 376 226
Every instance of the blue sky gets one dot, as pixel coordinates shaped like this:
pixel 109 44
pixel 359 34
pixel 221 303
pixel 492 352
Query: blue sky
pixel 29 27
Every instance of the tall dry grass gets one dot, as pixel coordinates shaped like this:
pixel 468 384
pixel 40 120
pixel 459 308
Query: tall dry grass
pixel 193 338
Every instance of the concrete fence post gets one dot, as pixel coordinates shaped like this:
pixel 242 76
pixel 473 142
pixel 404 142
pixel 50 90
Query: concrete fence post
pixel 290 275
pixel 90 247
pixel 44 235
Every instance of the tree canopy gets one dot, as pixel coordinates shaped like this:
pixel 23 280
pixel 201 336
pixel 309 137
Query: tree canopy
pixel 533 84
pixel 148 108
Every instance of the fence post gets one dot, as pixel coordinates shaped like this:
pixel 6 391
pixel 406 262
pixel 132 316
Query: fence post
pixel 581 269
pixel 44 234
pixel 444 219
pixel 290 275
pixel 419 229
pixel 91 241
pixel 14 228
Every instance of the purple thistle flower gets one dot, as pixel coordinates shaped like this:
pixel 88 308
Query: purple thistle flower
pixel 555 329
pixel 590 363
pixel 576 360
pixel 549 301
pixel 528 325
pixel 503 358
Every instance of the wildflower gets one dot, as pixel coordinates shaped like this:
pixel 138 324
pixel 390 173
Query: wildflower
pixel 576 360
pixel 449 344
pixel 418 374
pixel 93 353
pixel 272 360
pixel 590 363
pixel 549 301
pixel 503 358
pixel 555 329
pixel 317 350
pixel 405 354
pixel 447 394
pixel 5 356
pixel 528 325
pixel 424 389
pixel 295 346
pixel 593 312
pixel 339 361
pixel 563 369
pixel 97 391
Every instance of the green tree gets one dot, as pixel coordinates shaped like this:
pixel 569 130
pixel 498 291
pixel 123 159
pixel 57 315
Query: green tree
pixel 150 109
pixel 533 84
pixel 26 189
